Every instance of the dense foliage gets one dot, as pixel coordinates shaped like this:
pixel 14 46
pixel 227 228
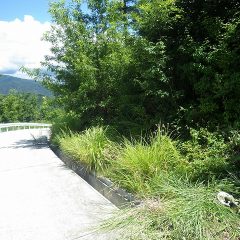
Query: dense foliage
pixel 132 64
pixel 25 107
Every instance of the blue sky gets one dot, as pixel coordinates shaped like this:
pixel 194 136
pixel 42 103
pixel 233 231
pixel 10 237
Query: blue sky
pixel 12 9
pixel 22 25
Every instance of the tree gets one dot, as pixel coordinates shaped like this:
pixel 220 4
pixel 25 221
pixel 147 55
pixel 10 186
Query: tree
pixel 20 107
pixel 202 55
pixel 132 64
pixel 89 60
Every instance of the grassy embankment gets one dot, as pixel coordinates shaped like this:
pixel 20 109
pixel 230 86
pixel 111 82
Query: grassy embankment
pixel 177 181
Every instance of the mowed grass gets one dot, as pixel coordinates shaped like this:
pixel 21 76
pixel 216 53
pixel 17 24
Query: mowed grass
pixel 178 198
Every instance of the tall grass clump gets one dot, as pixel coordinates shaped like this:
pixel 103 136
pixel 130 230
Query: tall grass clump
pixel 91 146
pixel 138 162
pixel 63 122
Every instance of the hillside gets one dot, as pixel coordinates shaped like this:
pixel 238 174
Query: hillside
pixel 21 85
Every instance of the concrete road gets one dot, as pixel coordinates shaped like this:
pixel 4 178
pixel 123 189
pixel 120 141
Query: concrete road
pixel 40 198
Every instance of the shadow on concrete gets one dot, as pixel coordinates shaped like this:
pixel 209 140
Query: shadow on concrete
pixel 29 143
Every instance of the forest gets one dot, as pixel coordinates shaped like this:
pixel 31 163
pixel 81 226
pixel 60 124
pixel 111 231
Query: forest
pixel 150 98
pixel 26 107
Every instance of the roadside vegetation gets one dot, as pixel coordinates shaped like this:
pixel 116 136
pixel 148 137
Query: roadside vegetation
pixel 123 67
pixel 176 181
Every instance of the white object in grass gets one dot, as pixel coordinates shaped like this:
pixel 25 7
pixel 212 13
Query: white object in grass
pixel 226 199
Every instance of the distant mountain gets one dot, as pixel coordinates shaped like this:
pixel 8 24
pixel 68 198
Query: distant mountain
pixel 21 85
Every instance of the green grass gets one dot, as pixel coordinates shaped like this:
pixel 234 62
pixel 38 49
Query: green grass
pixel 138 162
pixel 184 211
pixel 177 182
pixel 92 147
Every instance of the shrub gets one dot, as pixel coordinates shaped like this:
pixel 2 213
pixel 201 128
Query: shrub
pixel 234 140
pixel 207 154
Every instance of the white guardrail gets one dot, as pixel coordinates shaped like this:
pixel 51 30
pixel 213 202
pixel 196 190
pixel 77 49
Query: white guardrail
pixel 5 127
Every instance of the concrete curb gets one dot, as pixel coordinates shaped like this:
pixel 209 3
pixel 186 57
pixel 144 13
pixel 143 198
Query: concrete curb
pixel 117 196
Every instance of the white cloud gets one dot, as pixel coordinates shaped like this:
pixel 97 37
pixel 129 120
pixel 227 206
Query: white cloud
pixel 21 45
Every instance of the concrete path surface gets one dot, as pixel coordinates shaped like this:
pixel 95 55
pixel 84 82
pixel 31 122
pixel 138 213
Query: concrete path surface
pixel 40 198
